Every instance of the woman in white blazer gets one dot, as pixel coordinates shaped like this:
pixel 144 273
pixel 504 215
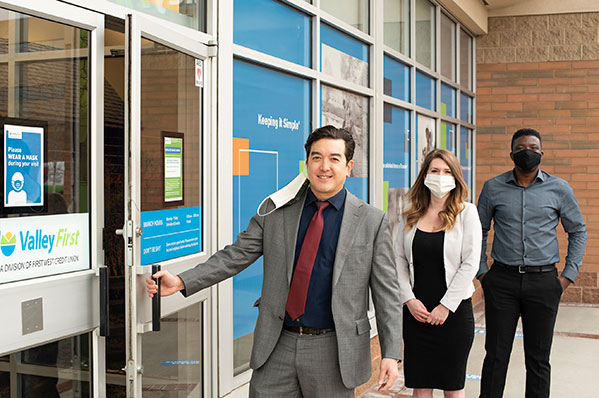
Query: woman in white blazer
pixel 438 248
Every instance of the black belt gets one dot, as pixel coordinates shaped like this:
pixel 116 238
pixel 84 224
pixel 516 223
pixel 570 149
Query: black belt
pixel 524 269
pixel 301 330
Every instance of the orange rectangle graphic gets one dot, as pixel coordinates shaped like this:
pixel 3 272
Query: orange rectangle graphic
pixel 241 158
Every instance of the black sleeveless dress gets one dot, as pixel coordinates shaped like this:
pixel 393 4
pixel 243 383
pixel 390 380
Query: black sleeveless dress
pixel 435 356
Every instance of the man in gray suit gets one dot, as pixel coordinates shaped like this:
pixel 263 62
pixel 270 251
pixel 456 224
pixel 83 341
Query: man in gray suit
pixel 322 251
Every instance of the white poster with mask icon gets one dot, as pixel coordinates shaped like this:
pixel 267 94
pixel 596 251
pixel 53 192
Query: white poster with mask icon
pixel 23 166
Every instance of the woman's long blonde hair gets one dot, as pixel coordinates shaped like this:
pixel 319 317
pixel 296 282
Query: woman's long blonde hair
pixel 419 195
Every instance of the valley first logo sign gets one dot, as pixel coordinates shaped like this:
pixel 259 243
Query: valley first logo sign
pixel 32 247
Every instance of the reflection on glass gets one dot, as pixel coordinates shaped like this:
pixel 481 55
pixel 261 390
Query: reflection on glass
pixel 465 155
pixel 396 79
pixel 190 13
pixel 447 47
pixel 266 156
pixel 396 162
pixel 37 34
pixel 354 12
pixel 170 102
pixel 5 17
pixel 172 358
pixel 342 56
pixel 425 33
pixel 273 28
pixel 60 369
pixel 425 138
pixel 51 387
pixel 350 111
pixel 4 89
pixel 465 108
pixel 4 384
pixel 425 91
pixel 447 136
pixel 448 101
pixel 50 83
pixel 397 25
pixel 465 60
pixel 171 173
pixel 68 353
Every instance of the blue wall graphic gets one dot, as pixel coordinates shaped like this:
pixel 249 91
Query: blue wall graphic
pixel 271 121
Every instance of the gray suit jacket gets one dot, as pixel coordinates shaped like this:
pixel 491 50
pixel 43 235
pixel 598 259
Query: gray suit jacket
pixel 364 259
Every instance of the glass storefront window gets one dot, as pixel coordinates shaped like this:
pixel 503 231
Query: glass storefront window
pixel 173 358
pixel 40 35
pixel 271 122
pixel 396 162
pixel 4 384
pixel 425 138
pixel 354 12
pixel 44 98
pixel 58 369
pixel 350 111
pixel 190 13
pixel 465 108
pixel 465 60
pixel 171 154
pixel 273 28
pixel 465 155
pixel 50 89
pixel 397 25
pixel 448 100
pixel 342 56
pixel 37 386
pixel 425 33
pixel 447 136
pixel 447 36
pixel 396 79
pixel 425 91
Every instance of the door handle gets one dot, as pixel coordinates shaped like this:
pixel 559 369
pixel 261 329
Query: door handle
pixel 156 301
pixel 104 302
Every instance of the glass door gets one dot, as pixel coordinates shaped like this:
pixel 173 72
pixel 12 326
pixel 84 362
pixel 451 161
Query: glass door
pixel 51 68
pixel 166 202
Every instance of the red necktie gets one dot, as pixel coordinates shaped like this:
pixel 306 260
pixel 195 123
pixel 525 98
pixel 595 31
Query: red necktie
pixel 296 300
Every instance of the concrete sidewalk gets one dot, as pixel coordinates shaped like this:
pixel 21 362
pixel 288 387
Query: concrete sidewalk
pixel 574 358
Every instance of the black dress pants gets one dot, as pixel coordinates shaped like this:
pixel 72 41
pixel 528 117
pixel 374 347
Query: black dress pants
pixel 508 295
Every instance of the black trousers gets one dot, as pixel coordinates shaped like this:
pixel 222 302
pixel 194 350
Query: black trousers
pixel 508 295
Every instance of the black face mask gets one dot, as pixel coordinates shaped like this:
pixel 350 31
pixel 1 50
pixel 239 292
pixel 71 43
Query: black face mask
pixel 527 159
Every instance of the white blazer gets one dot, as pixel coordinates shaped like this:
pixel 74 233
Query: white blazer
pixel 461 255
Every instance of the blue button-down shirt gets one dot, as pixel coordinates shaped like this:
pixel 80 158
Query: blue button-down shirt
pixel 525 221
pixel 318 313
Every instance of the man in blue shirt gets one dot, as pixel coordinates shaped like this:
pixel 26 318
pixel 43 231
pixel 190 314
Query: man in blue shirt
pixel 526 205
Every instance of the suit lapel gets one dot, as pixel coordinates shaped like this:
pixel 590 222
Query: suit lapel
pixel 347 233
pixel 291 216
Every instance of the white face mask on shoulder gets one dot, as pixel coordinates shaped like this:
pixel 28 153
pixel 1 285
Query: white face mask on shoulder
pixel 439 185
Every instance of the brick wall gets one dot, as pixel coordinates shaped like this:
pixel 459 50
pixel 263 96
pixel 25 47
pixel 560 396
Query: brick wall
pixel 543 72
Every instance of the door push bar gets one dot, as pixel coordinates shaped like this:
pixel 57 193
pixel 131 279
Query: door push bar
pixel 156 301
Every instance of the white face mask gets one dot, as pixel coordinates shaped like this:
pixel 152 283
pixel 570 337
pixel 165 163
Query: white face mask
pixel 439 185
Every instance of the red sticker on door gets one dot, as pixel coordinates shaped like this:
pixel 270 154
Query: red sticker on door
pixel 199 73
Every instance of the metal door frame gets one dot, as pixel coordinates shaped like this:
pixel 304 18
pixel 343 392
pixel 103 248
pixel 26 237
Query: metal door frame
pixel 137 304
pixel 77 291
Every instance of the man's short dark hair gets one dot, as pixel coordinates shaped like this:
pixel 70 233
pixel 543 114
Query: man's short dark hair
pixel 523 132
pixel 333 133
